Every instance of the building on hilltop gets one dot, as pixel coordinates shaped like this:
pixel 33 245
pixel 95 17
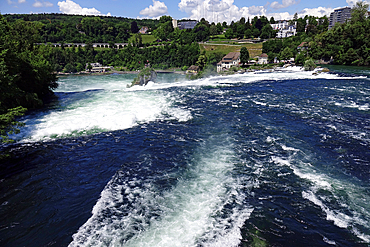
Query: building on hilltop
pixel 187 24
pixel 339 15
pixel 231 59
pixel 285 28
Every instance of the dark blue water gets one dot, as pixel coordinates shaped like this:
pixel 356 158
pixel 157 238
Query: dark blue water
pixel 274 159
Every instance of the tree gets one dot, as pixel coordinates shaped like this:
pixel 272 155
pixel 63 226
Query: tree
pixel 213 30
pixel 26 76
pixel 267 32
pixel 272 20
pixel 165 19
pixel 202 60
pixel 240 31
pixel 244 55
pixel 286 54
pixel 309 65
pixel 256 33
pixel 358 12
pixel 248 33
pixel 219 28
pixel 134 27
pixel 164 30
pixel 301 25
pixel 229 34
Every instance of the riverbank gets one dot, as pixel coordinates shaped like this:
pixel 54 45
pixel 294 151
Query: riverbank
pixel 175 71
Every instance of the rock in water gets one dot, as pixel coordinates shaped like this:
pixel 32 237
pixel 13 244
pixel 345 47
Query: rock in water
pixel 145 75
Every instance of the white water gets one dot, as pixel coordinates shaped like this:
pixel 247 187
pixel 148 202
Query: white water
pixel 106 104
pixel 352 210
pixel 188 213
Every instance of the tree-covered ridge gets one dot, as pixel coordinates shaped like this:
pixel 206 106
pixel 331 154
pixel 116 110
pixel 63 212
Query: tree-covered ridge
pixel 131 57
pixel 344 44
pixel 26 75
pixel 56 28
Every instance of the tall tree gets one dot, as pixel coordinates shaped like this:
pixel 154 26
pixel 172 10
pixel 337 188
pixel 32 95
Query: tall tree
pixel 244 55
pixel 134 27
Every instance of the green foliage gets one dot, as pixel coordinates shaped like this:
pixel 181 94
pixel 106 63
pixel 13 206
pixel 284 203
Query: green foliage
pixel 347 43
pixel 143 74
pixel 26 75
pixel 8 125
pixel 57 28
pixel 165 18
pixel 202 60
pixel 309 65
pixel 359 11
pixel 244 55
pixel 286 54
pixel 164 30
pixel 299 59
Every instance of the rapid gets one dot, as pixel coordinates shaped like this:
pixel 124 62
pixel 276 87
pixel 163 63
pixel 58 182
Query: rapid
pixel 270 158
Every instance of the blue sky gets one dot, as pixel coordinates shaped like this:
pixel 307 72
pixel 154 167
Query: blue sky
pixel 212 10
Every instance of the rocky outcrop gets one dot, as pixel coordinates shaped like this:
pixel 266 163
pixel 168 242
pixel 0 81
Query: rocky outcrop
pixel 145 75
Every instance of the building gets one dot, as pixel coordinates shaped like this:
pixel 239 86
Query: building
pixel 143 30
pixel 187 24
pixel 263 59
pixel 285 28
pixel 339 15
pixel 302 47
pixel 231 59
pixel 97 68
pixel 192 70
pixel 174 23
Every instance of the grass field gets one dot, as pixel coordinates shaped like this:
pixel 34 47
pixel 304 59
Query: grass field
pixel 254 49
pixel 147 38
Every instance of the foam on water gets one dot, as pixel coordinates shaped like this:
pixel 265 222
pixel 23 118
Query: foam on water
pixel 344 202
pixel 135 213
pixel 107 104
pixel 103 111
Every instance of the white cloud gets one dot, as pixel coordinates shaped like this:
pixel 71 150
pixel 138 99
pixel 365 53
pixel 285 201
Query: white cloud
pixel 319 12
pixel 38 4
pixel 285 3
pixel 225 10
pixel 157 9
pixel 10 2
pixel 219 10
pixel 352 3
pixel 70 7
pixel 21 1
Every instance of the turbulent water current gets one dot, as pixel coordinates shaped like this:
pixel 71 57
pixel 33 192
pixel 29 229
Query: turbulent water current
pixel 257 159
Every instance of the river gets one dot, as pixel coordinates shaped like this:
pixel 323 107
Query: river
pixel 257 159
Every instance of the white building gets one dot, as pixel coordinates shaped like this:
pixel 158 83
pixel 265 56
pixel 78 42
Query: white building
pixel 285 29
pixel 263 59
pixel 231 59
